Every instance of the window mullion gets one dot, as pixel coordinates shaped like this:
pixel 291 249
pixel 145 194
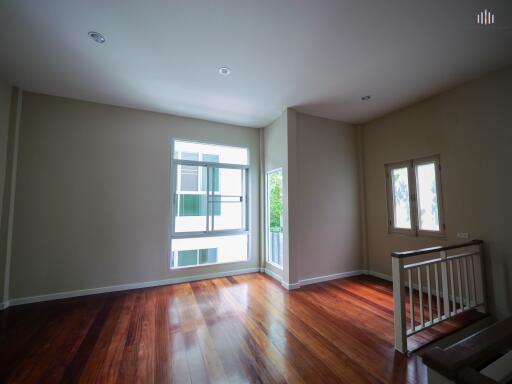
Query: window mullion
pixel 413 199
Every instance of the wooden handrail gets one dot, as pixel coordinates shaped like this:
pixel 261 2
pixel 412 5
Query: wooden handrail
pixel 438 248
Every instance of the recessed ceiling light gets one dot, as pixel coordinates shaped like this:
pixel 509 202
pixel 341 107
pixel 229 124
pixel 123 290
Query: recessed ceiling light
pixel 224 71
pixel 364 98
pixel 97 37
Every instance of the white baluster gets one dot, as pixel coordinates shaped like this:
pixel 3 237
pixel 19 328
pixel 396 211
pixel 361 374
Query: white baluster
pixel 466 285
pixel 420 293
pixel 444 279
pixel 459 283
pixel 429 294
pixel 411 299
pixel 452 286
pixel 438 293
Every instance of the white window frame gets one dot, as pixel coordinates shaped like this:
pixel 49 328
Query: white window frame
pixel 245 229
pixel 411 166
pixel 267 220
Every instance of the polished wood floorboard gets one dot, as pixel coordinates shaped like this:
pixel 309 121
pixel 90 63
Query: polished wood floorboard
pixel 242 329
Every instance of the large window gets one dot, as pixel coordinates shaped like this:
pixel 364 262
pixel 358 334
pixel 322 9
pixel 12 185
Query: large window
pixel 274 217
pixel 414 197
pixel 209 211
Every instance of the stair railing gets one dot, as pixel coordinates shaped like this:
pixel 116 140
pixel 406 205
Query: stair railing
pixel 435 286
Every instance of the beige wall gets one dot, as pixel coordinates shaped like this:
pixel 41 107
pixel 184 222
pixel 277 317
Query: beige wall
pixel 328 235
pixel 275 143
pixel 92 198
pixel 471 128
pixel 5 103
pixel 319 158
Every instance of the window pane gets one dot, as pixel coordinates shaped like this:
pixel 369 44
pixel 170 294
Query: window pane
pixel 196 256
pixel 191 204
pixel 214 184
pixel 186 258
pixel 227 202
pixel 208 256
pixel 217 153
pixel 275 217
pixel 401 205
pixel 428 210
pixel 188 174
pixel 206 250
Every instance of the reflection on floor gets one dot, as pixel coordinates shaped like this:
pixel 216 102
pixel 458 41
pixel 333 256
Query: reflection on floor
pixel 228 330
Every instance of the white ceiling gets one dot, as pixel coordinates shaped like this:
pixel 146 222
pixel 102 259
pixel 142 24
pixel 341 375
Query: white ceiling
pixel 319 56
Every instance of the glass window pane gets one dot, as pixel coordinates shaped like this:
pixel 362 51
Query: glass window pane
pixel 227 203
pixel 275 217
pixel 214 184
pixel 186 258
pixel 401 204
pixel 191 205
pixel 217 153
pixel 428 209
pixel 208 256
pixel 206 250
pixel 188 174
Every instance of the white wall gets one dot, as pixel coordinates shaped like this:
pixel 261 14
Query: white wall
pixel 5 103
pixel 92 197
pixel 328 237
pixel 471 128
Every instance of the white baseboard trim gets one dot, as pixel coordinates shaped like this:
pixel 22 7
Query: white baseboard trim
pixel 124 287
pixel 380 275
pixel 291 286
pixel 272 274
pixel 279 279
pixel 320 279
pixel 177 280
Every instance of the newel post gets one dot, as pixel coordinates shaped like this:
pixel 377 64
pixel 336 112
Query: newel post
pixel 444 284
pixel 397 265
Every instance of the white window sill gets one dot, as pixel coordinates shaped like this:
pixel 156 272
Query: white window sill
pixel 207 265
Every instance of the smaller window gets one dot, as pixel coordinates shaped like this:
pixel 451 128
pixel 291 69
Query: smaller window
pixel 414 197
pixel 274 219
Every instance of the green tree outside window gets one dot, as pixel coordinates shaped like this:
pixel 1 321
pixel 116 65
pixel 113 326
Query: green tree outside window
pixel 275 185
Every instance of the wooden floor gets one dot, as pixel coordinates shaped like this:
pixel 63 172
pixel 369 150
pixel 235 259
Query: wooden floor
pixel 228 330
